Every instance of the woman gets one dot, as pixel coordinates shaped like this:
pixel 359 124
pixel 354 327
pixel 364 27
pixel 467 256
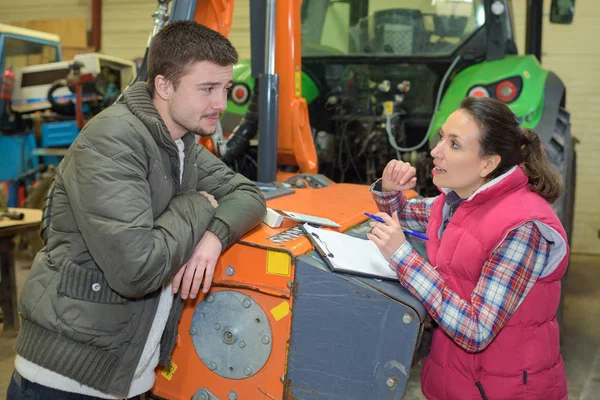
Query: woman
pixel 496 255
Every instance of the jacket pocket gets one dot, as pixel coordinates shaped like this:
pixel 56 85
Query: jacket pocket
pixel 87 304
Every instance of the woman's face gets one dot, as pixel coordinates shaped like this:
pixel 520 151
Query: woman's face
pixel 457 160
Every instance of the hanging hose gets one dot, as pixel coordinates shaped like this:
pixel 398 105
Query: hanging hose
pixel 246 130
pixel 388 124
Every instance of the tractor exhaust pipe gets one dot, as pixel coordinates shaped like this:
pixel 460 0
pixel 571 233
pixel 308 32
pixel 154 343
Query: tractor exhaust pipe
pixel 533 32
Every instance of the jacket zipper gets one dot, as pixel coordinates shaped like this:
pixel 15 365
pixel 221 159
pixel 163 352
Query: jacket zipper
pixel 481 391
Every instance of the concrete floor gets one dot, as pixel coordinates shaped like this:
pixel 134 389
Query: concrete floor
pixel 581 334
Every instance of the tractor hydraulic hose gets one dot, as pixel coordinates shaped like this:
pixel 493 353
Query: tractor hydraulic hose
pixel 388 122
pixel 246 130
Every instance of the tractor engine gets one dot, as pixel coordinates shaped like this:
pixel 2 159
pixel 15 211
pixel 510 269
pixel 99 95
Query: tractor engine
pixel 369 114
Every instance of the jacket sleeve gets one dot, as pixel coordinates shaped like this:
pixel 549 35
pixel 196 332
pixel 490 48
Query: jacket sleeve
pixel 111 202
pixel 241 204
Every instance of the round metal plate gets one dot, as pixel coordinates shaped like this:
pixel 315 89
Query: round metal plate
pixel 231 334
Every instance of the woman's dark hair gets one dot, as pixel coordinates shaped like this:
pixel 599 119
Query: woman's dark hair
pixel 501 134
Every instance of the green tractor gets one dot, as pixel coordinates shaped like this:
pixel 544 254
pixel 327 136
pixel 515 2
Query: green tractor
pixel 381 77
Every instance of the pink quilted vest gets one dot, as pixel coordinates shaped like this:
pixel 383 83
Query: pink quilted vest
pixel 523 361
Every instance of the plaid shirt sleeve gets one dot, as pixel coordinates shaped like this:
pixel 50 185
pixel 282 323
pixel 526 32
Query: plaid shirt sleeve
pixel 413 214
pixel 506 278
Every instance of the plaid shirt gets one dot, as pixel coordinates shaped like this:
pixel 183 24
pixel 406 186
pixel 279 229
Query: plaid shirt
pixel 506 277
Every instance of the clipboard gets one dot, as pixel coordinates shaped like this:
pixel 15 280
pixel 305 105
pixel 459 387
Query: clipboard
pixel 348 254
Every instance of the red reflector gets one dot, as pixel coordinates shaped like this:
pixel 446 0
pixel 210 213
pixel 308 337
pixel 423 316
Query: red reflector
pixel 479 91
pixel 240 93
pixel 506 91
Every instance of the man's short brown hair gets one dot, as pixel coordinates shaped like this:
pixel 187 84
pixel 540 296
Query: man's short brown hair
pixel 181 44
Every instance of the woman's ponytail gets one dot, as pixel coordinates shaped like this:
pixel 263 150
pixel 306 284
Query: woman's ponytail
pixel 545 180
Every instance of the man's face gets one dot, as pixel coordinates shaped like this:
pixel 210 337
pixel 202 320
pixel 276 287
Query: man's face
pixel 201 97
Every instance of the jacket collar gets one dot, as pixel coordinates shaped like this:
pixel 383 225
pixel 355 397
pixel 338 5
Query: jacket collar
pixel 138 100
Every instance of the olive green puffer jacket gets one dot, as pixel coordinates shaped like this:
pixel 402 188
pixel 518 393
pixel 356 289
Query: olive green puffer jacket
pixel 122 226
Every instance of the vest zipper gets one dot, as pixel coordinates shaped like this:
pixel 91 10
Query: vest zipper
pixel 481 391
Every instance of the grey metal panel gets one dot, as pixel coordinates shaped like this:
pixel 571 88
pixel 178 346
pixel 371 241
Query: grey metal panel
pixel 391 288
pixel 348 340
pixel 182 10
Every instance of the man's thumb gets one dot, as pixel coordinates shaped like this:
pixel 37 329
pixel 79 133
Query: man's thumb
pixel 395 217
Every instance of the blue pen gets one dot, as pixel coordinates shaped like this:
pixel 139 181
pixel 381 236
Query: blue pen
pixel 378 219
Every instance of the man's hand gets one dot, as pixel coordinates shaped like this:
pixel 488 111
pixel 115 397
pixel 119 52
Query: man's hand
pixel 210 198
pixel 387 237
pixel 398 176
pixel 202 263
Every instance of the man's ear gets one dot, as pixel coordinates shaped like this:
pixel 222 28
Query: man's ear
pixel 162 87
pixel 490 164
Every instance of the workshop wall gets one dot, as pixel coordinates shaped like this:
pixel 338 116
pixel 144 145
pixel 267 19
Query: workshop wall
pixel 127 26
pixel 27 10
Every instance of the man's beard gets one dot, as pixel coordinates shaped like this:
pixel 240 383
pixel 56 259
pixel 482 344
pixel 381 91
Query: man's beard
pixel 198 130
pixel 201 132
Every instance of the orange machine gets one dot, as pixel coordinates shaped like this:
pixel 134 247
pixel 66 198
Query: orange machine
pixel 248 338
pixel 295 146
pixel 278 323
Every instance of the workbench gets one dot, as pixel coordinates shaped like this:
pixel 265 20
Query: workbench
pixel 9 229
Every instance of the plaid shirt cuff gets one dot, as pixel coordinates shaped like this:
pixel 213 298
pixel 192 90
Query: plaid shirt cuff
pixel 386 201
pixel 403 258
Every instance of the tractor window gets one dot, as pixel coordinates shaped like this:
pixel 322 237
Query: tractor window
pixel 388 27
pixel 21 53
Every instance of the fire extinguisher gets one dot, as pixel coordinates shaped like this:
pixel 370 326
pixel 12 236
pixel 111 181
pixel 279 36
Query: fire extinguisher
pixel 8 81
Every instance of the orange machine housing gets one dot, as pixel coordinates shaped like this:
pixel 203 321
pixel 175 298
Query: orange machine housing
pixel 264 272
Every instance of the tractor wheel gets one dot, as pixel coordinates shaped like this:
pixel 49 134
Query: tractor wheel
pixel 564 207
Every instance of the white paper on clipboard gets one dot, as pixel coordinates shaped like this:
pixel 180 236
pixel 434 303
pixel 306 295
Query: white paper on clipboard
pixel 350 254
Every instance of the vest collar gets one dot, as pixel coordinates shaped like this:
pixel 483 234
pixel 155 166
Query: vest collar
pixel 511 180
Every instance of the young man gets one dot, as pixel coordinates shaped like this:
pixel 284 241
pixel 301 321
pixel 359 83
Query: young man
pixel 139 210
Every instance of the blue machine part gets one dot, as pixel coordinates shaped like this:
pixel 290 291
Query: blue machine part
pixel 344 335
pixel 16 151
pixel 57 134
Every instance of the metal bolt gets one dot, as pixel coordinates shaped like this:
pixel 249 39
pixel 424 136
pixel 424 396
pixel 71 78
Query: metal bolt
pixel 212 366
pixel 193 331
pixel 228 337
pixel 289 284
pixel 230 271
pixel 282 378
pixel 242 344
pixel 391 382
pixel 248 371
pixel 232 395
pixel 246 303
pixel 217 326
pixel 202 396
pixel 265 340
pixel 407 318
pixel 210 298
